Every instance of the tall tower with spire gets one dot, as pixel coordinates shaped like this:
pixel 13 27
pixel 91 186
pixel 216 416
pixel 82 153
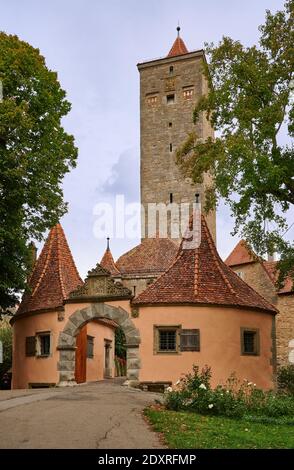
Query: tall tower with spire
pixel 169 90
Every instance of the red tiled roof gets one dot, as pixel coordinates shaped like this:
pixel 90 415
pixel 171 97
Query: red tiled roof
pixel 178 48
pixel 107 262
pixel 54 276
pixel 153 255
pixel 241 254
pixel 199 276
pixel 273 273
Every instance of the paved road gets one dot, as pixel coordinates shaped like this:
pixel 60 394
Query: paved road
pixel 103 415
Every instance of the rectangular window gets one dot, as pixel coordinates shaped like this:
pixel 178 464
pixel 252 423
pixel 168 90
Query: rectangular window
pixel 43 344
pixel 170 99
pixel 170 124
pixel 166 339
pixel 250 341
pixel 30 346
pixel 170 147
pixel 188 94
pixel 90 347
pixel 152 100
pixel 190 340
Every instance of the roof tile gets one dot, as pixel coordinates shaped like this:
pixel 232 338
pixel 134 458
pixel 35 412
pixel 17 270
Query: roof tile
pixel 54 275
pixel 199 276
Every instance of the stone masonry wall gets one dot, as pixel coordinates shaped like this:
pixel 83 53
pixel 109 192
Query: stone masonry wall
pixel 164 124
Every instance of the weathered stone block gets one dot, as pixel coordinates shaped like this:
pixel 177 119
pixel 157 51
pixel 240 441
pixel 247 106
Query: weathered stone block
pixel 66 365
pixel 70 328
pixel 66 340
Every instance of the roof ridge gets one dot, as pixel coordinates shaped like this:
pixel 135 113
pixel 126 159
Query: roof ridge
pixel 50 243
pixel 217 259
pixel 58 227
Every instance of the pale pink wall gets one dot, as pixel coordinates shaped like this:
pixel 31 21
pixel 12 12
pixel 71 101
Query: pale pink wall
pixel 27 370
pixel 95 366
pixel 219 344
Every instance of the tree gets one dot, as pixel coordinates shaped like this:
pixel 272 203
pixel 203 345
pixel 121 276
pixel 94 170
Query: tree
pixel 6 339
pixel 249 104
pixel 35 154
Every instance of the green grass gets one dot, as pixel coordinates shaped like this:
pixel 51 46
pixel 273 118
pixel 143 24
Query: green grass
pixel 184 430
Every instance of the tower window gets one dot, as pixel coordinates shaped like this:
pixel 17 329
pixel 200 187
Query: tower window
pixel 170 124
pixel 171 197
pixel 170 147
pixel 197 198
pixel 171 69
pixel 188 94
pixel 170 99
pixel 152 100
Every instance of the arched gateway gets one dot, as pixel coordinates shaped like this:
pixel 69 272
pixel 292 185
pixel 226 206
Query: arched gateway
pixel 67 340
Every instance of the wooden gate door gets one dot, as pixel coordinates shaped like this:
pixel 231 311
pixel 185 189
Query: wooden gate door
pixel 81 356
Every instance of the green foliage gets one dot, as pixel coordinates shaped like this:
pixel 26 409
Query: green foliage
pixel 250 100
pixel 286 379
pixel 6 338
pixel 186 430
pixel 233 399
pixel 120 343
pixel 35 154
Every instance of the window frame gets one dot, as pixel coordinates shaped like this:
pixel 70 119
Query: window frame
pixel 170 98
pixel 256 332
pixel 156 343
pixel 90 341
pixel 39 335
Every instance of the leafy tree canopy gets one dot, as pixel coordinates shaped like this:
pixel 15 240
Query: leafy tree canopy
pixel 35 154
pixel 250 105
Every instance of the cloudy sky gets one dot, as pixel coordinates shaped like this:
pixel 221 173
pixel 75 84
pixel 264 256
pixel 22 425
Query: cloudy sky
pixel 94 45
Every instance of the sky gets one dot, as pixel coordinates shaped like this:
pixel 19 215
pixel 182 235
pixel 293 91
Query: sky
pixel 94 45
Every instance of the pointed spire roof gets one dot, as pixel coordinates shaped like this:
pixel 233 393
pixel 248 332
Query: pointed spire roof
pixel 199 276
pixel 107 262
pixel 241 254
pixel 178 47
pixel 54 275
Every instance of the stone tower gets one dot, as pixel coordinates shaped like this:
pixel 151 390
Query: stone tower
pixel 169 89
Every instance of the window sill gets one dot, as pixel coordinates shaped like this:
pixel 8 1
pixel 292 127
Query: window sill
pixel 43 356
pixel 249 354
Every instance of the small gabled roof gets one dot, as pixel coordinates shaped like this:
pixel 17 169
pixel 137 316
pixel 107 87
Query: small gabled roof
pixel 54 275
pixel 199 276
pixel 241 254
pixel 178 47
pixel 107 261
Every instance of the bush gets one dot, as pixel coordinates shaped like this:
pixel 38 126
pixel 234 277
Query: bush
pixel 286 379
pixel 6 338
pixel 233 399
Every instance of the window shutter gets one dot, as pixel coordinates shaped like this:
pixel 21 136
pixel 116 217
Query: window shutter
pixel 30 346
pixel 190 340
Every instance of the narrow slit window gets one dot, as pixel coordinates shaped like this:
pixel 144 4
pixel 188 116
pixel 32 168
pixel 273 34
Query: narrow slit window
pixel 171 197
pixel 170 124
pixel 170 147
pixel 171 69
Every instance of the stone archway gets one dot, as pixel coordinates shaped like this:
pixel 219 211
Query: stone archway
pixel 67 340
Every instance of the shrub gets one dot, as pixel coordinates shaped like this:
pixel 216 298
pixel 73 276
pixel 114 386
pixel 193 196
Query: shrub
pixel 286 379
pixel 233 399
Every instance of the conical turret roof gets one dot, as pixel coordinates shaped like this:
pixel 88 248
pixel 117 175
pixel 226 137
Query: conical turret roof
pixel 199 276
pixel 54 275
